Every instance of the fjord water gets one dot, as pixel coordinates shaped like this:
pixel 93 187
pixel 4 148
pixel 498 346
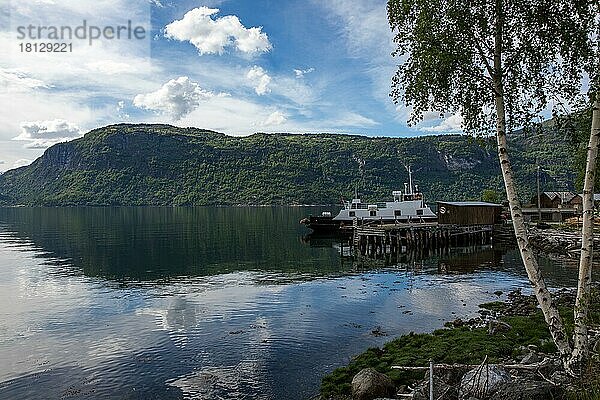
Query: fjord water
pixel 210 303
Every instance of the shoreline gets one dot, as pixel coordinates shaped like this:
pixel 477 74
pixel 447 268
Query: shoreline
pixel 510 331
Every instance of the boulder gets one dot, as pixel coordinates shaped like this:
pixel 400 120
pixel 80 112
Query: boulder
pixel 369 384
pixel 483 381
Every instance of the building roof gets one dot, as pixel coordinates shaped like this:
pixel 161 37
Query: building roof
pixel 470 203
pixel 564 197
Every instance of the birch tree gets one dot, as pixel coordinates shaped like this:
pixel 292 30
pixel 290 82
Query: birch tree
pixel 580 336
pixel 496 63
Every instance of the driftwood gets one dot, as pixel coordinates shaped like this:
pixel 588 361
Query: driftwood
pixel 525 367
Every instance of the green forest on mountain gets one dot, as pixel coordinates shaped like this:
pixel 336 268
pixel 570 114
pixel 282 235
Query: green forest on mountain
pixel 166 165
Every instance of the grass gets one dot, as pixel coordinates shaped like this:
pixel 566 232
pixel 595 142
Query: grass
pixel 457 345
pixel 494 306
pixel 461 345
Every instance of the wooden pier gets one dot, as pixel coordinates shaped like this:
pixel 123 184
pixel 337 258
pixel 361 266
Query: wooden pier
pixel 380 241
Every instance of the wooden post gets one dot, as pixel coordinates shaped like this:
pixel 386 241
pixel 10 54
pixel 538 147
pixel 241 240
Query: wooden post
pixel 431 380
pixel 372 245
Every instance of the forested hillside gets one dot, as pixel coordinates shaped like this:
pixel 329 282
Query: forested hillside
pixel 166 165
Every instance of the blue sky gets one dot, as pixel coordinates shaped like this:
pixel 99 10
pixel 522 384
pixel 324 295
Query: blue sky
pixel 235 66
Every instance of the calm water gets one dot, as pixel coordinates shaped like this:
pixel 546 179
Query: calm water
pixel 209 303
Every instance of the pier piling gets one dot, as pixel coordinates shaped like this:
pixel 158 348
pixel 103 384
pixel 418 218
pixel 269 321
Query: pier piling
pixel 381 241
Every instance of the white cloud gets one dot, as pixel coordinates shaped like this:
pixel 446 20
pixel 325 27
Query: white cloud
pixel 65 8
pixel 430 116
pixel 364 25
pixel 39 105
pixel 275 118
pixel 177 98
pixel 239 117
pixel 121 110
pixel 83 67
pixel 260 80
pixel 301 72
pixel 452 124
pixel 353 119
pixel 2 162
pixel 212 36
pixel 11 79
pixel 43 134
pixel 82 86
pixel 287 90
pixel 231 115
pixel 109 67
pixel 21 162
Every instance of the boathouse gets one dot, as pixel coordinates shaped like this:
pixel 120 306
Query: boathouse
pixel 468 213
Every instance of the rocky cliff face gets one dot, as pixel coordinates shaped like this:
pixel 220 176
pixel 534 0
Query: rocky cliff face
pixel 459 163
pixel 166 165
pixel 62 156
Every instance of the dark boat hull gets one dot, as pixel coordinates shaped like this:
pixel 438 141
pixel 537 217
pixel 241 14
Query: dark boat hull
pixel 322 224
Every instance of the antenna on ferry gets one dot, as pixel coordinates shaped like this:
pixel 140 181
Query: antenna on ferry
pixel 410 184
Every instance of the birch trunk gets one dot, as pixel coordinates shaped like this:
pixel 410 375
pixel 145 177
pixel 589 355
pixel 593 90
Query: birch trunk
pixel 534 273
pixel 580 336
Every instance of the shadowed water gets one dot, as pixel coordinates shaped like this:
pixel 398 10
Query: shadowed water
pixel 208 303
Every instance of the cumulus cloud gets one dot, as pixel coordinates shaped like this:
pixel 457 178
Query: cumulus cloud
pixel 43 134
pixel 212 36
pixel 301 72
pixel 451 124
pixel 260 80
pixel 275 118
pixel 177 98
pixel 21 162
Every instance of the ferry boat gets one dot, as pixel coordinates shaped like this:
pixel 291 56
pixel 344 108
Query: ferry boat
pixel 407 206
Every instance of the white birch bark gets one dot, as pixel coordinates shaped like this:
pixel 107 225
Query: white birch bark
pixel 580 334
pixel 532 268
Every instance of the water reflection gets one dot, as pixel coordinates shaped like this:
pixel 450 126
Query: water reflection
pixel 160 243
pixel 558 271
pixel 211 303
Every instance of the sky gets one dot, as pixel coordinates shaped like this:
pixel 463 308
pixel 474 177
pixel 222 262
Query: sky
pixel 233 66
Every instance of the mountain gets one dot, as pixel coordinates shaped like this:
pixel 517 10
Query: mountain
pixel 165 165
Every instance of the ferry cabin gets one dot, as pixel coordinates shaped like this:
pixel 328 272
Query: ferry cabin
pixel 404 208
